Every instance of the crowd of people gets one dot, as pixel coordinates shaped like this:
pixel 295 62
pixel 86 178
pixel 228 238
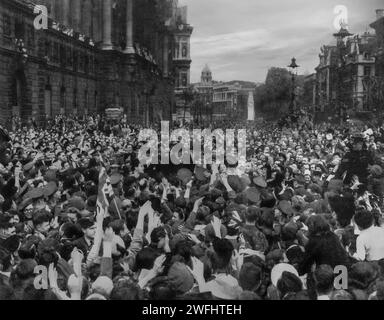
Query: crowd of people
pixel 76 200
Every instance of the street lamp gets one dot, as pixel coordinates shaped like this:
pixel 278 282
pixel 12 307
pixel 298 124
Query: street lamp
pixel 293 66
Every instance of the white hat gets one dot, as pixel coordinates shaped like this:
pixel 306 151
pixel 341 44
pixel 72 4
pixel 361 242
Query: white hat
pixel 278 271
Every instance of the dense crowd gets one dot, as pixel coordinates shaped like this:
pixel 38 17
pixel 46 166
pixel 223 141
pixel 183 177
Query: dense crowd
pixel 77 201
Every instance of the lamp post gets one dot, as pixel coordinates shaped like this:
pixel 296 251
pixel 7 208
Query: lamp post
pixel 293 66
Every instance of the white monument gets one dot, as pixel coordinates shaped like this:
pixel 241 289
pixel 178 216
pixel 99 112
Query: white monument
pixel 251 107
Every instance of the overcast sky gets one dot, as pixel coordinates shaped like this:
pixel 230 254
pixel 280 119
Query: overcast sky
pixel 241 39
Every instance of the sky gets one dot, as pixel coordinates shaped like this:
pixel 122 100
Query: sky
pixel 242 39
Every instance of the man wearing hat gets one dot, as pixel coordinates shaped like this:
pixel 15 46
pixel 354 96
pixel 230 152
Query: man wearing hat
pixel 355 162
pixel 117 185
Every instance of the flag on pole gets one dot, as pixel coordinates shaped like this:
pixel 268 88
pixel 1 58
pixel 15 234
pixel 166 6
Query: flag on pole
pixel 105 192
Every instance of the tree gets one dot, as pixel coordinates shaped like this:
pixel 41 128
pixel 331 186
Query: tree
pixel 274 96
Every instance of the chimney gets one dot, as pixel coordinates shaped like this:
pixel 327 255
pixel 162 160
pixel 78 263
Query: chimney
pixel 379 14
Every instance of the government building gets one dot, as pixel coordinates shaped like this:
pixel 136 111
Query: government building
pixel 94 55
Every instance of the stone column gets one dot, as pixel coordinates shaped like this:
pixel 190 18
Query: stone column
pixel 129 31
pixel 76 15
pixel 66 12
pixel 107 25
pixel 165 55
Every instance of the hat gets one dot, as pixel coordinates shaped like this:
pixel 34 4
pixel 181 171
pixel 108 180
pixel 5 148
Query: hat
pixel 185 175
pixel 180 278
pixel 260 182
pixel 246 181
pixel 76 202
pixel 50 189
pixel 200 173
pixel 35 193
pixel 286 207
pixel 50 175
pixel 103 285
pixel 278 271
pixel 376 170
pixel 28 166
pixel 116 178
pixel 25 203
pixel 253 195
pixel 235 183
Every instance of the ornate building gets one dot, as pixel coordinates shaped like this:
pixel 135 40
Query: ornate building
pixel 222 100
pixel 377 85
pixel 94 55
pixel 348 76
pixel 182 63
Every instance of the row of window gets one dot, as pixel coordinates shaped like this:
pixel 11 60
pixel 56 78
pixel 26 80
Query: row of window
pixel 68 57
pixel 55 52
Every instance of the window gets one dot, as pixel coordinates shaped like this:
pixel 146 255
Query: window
pixel 86 102
pixel 47 51
pixel 184 50
pixel 69 57
pixel 7 32
pixel 62 100
pixel 81 62
pixel 367 71
pixel 30 37
pixel 75 60
pixel 86 63
pixel 19 30
pixel 75 101
pixel 63 57
pixel 56 53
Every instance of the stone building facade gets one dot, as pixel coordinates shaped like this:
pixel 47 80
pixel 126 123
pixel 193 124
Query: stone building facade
pixel 94 55
pixel 348 77
pixel 222 100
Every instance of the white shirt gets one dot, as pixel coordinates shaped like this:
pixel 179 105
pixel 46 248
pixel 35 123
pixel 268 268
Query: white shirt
pixel 370 244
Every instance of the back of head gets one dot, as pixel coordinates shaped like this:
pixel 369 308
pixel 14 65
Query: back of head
pixel 125 290
pixel 250 276
pixel 363 218
pixel 289 283
pixel 252 214
pixel 324 279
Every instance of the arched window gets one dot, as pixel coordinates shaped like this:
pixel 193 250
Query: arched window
pixel 86 102
pixel 75 102
pixel 63 100
pixel 95 106
pixel 48 101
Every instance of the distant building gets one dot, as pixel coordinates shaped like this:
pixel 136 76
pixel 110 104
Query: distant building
pixel 182 64
pixel 222 100
pixel 378 83
pixel 204 91
pixel 345 76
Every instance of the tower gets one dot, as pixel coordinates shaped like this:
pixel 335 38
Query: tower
pixel 206 75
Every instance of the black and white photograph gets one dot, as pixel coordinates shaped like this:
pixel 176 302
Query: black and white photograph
pixel 192 155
